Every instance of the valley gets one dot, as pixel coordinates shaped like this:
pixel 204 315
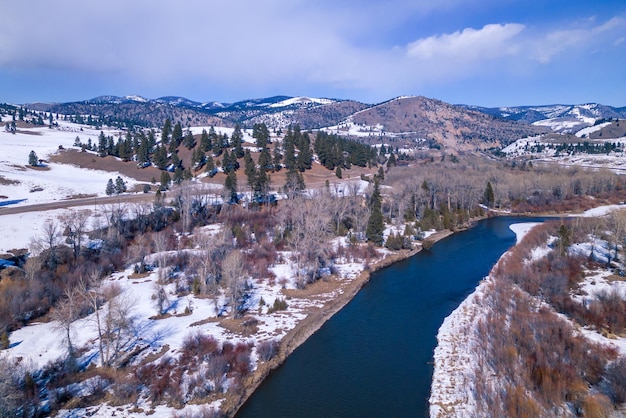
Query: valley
pixel 161 257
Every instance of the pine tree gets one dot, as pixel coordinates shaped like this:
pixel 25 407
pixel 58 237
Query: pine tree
pixel 198 158
pixel 173 146
pixel 305 156
pixel 165 180
pixel 249 167
pixel 265 160
pixel 375 223
pixel 177 134
pixel 178 175
pixel 289 149
pixel 278 157
pixel 230 187
pixel 110 146
pixel 205 141
pixel 33 160
pixel 151 140
pixel 176 160
pixel 166 132
pixel 102 144
pixel 189 140
pixel 124 149
pixel 227 164
pixel 160 157
pixel 110 189
pixel 120 185
pixel 338 172
pixel 261 134
pixel 210 166
pixel 236 142
pixel 142 152
pixel 488 195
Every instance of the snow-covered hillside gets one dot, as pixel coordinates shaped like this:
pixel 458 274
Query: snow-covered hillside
pixel 51 182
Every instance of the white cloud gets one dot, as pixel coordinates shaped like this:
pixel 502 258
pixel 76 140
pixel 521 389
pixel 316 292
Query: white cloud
pixel 577 40
pixel 248 47
pixel 490 42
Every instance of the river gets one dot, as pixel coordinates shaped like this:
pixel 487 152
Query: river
pixel 374 357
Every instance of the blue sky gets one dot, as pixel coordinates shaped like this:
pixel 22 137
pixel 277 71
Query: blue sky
pixel 482 52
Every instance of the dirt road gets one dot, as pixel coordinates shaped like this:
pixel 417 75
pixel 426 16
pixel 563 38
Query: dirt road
pixel 85 201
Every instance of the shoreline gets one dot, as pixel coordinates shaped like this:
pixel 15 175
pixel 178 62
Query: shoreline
pixel 455 344
pixel 313 322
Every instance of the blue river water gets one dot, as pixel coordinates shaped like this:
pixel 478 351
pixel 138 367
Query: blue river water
pixel 374 357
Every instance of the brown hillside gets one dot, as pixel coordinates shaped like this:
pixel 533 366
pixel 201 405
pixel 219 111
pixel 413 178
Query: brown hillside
pixel 454 127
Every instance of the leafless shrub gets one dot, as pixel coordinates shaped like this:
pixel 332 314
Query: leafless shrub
pixel 615 381
pixel 266 350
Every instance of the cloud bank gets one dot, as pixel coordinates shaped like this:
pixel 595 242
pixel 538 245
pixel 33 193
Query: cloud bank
pixel 283 46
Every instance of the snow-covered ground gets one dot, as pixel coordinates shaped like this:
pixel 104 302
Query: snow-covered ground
pixel 454 359
pixel 585 132
pixel 18 229
pixel 55 181
pixel 41 343
pixel 565 125
pixel 540 149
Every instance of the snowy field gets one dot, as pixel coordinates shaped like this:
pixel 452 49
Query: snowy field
pixel 41 343
pixel 615 161
pixel 54 181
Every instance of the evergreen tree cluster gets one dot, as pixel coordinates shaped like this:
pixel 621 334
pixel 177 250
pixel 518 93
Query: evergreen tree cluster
pixel 117 187
pixel 334 151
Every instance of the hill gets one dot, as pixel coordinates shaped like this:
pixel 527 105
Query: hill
pixel 455 127
pixel 402 120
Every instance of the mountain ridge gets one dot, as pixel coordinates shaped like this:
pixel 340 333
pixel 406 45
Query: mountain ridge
pixel 457 127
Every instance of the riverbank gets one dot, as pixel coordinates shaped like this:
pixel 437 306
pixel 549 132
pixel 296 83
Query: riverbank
pixel 454 356
pixel 313 322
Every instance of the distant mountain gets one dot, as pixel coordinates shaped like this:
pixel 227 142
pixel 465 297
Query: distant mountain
pixel 281 111
pixel 135 110
pixel 561 118
pixel 457 127
pixel 178 101
pixel 117 100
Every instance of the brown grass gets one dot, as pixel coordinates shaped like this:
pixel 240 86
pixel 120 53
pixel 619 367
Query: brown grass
pixel 316 177
pixel 109 163
pixel 316 288
pixel 244 326
pixel 7 182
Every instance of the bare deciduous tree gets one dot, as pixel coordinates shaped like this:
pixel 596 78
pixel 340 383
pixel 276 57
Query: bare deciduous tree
pixel 65 313
pixel 234 280
pixel 160 244
pixel 113 318
pixel 74 224
pixel 47 242
pixel 11 393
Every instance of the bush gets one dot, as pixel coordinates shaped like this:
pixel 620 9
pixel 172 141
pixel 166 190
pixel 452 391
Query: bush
pixel 279 305
pixel 397 242
pixel 427 244
pixel 267 350
pixel 615 381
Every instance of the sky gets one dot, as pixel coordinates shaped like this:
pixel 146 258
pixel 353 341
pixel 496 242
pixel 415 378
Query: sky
pixel 479 52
